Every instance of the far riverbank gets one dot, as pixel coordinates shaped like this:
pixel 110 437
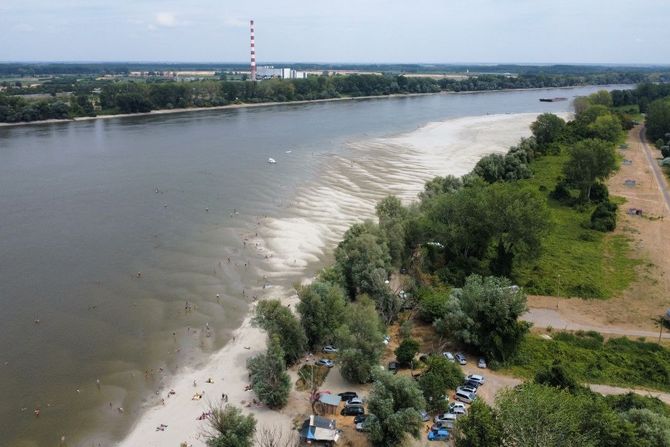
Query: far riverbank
pixel 276 103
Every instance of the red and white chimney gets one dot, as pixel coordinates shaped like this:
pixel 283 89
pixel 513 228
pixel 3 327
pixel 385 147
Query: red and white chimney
pixel 253 52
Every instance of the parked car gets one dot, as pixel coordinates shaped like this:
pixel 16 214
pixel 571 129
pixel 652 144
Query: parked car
pixel 360 418
pixel 354 401
pixel 460 358
pixel 449 356
pixel 465 397
pixel 467 389
pixel 446 417
pixel 456 408
pixel 360 426
pixel 475 378
pixel 393 367
pixel 441 434
pixel 481 363
pixel 329 349
pixel 325 362
pixel 387 339
pixel 354 410
pixel 472 384
pixel 425 417
pixel 347 395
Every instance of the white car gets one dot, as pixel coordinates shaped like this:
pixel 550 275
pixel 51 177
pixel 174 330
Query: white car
pixel 466 389
pixel 445 418
pixel 475 378
pixel 460 358
pixel 449 356
pixel 481 363
pixel 456 408
pixel 387 339
pixel 354 401
pixel 329 349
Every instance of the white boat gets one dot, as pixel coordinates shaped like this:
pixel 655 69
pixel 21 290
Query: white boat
pixel 272 161
pixel 288 152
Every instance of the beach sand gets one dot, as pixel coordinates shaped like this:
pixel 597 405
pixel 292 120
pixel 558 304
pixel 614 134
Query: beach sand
pixel 346 191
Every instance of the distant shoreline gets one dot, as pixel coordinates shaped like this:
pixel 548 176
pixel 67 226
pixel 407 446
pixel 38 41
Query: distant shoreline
pixel 273 104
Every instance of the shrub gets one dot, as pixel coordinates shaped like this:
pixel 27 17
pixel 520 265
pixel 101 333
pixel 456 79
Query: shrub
pixel 604 217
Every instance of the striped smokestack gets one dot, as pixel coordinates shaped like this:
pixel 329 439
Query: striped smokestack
pixel 253 52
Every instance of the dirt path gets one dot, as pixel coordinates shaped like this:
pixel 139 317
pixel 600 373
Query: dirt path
pixel 632 312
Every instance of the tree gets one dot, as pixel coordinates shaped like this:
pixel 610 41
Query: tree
pixel 534 415
pixel 277 436
pixel 361 252
pixel 547 128
pixel 321 310
pixel 479 428
pixel 601 97
pixel 394 406
pixel 406 351
pixel 484 314
pixel 606 127
pixel 440 377
pixel 590 160
pixel 269 379
pixel 392 216
pixel 658 119
pixel 230 428
pixel 440 185
pixel 279 321
pixel 359 341
pixel 517 221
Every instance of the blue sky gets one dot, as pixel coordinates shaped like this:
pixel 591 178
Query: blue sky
pixel 437 31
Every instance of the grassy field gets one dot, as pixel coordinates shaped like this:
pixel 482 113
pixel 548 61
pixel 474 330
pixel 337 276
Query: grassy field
pixel 617 361
pixel 575 261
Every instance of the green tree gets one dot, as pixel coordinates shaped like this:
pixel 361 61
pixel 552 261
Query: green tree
pixel 657 120
pixel 269 379
pixel 517 220
pixel 440 376
pixel 590 160
pixel 534 415
pixel 484 314
pixel 479 428
pixel 547 128
pixel 361 252
pixel 360 341
pixel 406 351
pixel 392 216
pixel 395 404
pixel 601 97
pixel 606 127
pixel 440 185
pixel 230 428
pixel 279 321
pixel 321 309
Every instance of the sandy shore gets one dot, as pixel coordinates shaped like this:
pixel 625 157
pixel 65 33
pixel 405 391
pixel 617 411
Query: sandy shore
pixel 345 192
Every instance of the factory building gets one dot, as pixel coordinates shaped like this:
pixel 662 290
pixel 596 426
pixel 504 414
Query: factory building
pixel 268 71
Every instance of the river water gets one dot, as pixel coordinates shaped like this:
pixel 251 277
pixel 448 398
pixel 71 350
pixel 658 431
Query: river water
pixel 117 235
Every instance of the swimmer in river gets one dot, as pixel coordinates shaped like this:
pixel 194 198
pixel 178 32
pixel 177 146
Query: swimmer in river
pixel 139 274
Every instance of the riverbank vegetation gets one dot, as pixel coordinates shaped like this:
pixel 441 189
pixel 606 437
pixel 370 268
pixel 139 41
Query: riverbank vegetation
pixel 70 96
pixel 591 359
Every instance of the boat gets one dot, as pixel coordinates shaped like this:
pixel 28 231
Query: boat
pixel 272 161
pixel 559 98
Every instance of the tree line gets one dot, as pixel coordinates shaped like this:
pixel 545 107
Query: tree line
pixel 88 97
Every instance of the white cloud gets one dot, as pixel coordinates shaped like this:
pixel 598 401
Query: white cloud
pixel 166 19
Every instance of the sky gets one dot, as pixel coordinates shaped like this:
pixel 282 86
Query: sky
pixel 349 31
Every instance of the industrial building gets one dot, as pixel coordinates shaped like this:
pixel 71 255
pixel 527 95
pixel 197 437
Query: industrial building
pixel 268 71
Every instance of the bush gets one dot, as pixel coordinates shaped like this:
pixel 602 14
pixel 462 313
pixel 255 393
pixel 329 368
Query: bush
pixel 604 217
pixel 406 351
pixel 599 193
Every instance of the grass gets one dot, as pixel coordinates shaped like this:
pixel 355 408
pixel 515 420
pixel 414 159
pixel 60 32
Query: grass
pixel 617 361
pixel 575 261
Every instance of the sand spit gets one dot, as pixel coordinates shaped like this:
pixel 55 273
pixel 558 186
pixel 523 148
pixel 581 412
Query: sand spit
pixel 346 191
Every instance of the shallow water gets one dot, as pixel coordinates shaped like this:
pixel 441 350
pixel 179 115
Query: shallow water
pixel 85 206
